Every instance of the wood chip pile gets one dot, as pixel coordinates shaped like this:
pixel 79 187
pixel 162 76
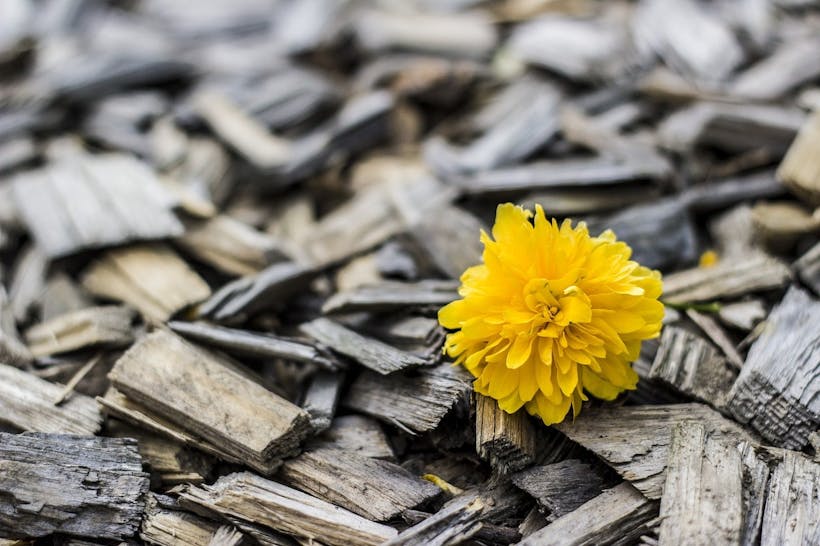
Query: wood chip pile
pixel 226 228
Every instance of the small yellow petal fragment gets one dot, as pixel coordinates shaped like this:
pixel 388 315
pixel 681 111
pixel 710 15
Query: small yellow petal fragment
pixel 445 486
pixel 708 259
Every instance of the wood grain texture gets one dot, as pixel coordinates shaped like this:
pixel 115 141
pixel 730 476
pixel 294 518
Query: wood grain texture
pixel 357 434
pixel 691 365
pixel 634 440
pixel 616 516
pixel 255 499
pixel 115 198
pixel 392 296
pixel 778 391
pixel 727 279
pixel 506 441
pixel 106 326
pixel 702 497
pixel 375 489
pixel 792 508
pixel 86 486
pixel 204 394
pixel 163 526
pixel 151 278
pixel 370 353
pixel 321 398
pixel 808 268
pixel 560 488
pixel 27 404
pixel 416 402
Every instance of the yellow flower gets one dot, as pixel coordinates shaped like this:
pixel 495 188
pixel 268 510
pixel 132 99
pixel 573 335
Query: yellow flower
pixel 550 314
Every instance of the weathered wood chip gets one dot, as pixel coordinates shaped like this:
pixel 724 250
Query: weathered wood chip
pixel 692 366
pixel 248 295
pixel 168 527
pixel 115 199
pixel 27 404
pixel 375 489
pixel 321 398
pixel 800 169
pixel 791 64
pixel 231 246
pixel 107 326
pixel 85 486
pixel 415 402
pixel 702 497
pixel 808 268
pixel 777 390
pixel 506 441
pixel 393 296
pixel 206 395
pixel 151 278
pixel 12 349
pixel 257 344
pixel 634 440
pixel 617 516
pixel 356 434
pixel 727 279
pixel 743 315
pixel 255 499
pixel 370 353
pixel 792 511
pixel 560 488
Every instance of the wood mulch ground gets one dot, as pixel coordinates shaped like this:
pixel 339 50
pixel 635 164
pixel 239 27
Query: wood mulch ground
pixel 226 228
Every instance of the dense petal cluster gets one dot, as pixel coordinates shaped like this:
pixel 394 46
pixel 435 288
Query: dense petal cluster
pixel 552 313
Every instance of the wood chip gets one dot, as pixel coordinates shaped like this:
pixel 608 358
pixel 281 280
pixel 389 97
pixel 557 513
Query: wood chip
pixel 256 344
pixel 691 365
pixel 616 516
pixel 634 440
pixel 356 434
pixel 415 402
pixel 392 296
pixel 106 326
pixel 808 268
pixel 251 498
pixel 560 488
pixel 231 246
pixel 506 441
pixel 321 398
pixel 27 404
pixel 702 497
pixel 167 527
pixel 800 169
pixel 115 199
pixel 12 349
pixel 92 487
pixel 776 392
pixel 247 295
pixel 370 353
pixel 204 394
pixel 375 489
pixel 792 513
pixel 151 278
pixel 727 279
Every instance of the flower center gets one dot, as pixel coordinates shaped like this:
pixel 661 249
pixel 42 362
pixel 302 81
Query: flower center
pixel 553 308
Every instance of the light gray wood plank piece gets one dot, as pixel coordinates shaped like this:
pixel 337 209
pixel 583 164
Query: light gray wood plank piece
pixel 702 498
pixel 450 236
pixel 692 366
pixel 370 353
pixel 27 281
pixel 789 66
pixel 357 434
pixel 252 498
pixel 115 198
pixel 86 486
pixel 321 398
pixel 62 295
pixel 727 279
pixel 717 335
pixel 617 516
pixel 151 278
pixel 506 441
pixel 375 489
pixel 245 342
pixel 744 315
pixel 27 404
pixel 560 488
pixel 12 349
pixel 778 391
pixel 414 403
pixel 634 440
pixel 808 268
pixel 204 394
pixel 800 169
pixel 392 296
pixel 266 289
pixel 792 510
pixel 231 246
pixel 163 526
pixel 105 326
